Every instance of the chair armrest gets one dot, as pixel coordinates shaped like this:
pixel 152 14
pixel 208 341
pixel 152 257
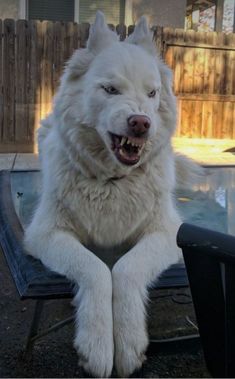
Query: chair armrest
pixel 209 242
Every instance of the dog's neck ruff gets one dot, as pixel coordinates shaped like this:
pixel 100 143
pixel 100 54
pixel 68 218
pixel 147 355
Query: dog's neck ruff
pixel 80 165
pixel 87 169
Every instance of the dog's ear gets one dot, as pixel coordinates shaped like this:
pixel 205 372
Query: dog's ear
pixel 100 35
pixel 142 36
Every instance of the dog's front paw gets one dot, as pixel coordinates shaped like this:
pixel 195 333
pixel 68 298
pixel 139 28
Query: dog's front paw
pixel 95 352
pixel 130 335
pixel 94 334
pixel 129 351
pixel 129 323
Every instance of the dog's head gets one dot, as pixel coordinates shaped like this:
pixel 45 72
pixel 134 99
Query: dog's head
pixel 115 104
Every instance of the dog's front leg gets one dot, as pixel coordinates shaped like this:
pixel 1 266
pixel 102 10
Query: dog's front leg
pixel 132 275
pixel 63 253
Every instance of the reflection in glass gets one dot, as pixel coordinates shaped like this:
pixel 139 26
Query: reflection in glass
pixel 210 203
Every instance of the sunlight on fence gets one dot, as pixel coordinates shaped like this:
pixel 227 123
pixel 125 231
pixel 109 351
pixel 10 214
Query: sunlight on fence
pixel 33 54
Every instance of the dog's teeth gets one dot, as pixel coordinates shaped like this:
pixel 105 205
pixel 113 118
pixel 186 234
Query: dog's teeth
pixel 121 152
pixel 128 142
pixel 123 141
pixel 140 150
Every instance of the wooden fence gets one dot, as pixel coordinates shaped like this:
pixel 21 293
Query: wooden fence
pixel 32 57
pixel 204 81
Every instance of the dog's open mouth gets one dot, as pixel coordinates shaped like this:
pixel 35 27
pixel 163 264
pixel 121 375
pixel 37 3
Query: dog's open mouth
pixel 127 149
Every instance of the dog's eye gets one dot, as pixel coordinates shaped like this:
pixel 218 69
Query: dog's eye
pixel 152 93
pixel 111 90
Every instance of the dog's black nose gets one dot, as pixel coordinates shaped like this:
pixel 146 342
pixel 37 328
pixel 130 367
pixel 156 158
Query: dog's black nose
pixel 139 125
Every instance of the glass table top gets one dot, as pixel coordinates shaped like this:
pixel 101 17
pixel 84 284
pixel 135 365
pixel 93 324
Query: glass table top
pixel 209 204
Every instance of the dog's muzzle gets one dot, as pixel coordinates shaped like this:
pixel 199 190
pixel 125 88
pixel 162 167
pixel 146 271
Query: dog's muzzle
pixel 127 149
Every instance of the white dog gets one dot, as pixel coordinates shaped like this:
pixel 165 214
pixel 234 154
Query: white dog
pixel 106 218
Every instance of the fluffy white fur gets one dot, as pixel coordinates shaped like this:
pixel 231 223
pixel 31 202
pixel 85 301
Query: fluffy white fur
pixel 109 227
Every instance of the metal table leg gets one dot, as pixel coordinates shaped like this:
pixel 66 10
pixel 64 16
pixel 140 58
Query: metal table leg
pixel 34 326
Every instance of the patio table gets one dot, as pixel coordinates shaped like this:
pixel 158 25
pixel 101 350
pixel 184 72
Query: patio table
pixel 208 204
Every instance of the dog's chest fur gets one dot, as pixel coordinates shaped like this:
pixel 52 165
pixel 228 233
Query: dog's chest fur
pixel 123 208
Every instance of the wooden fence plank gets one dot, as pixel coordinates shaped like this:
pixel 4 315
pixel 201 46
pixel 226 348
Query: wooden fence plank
pixel 47 68
pixel 207 62
pixel 197 118
pixel 219 66
pixel 21 98
pixel 217 115
pixel 37 61
pixel 179 57
pixel 207 119
pixel 69 29
pixel 34 82
pixel 199 66
pixel 9 80
pixel 121 31
pixel 130 29
pixel 233 126
pixel 167 50
pixel 233 63
pixel 84 32
pixel 210 63
pixel 158 39
pixel 58 56
pixel 186 118
pixel 230 67
pixel 188 64
pixel 227 120
pixel 76 37
pixel 179 115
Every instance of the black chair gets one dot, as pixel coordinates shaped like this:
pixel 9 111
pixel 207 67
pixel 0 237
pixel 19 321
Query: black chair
pixel 210 262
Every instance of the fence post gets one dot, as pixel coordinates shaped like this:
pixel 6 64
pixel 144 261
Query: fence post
pixel 130 29
pixel 158 38
pixel 84 33
pixel 121 31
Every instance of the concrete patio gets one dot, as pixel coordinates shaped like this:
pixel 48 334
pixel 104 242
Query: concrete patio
pixel 207 151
